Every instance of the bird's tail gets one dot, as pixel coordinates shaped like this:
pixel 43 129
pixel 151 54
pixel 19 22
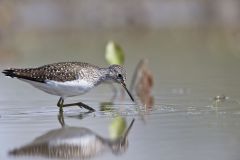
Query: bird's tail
pixel 10 72
pixel 21 73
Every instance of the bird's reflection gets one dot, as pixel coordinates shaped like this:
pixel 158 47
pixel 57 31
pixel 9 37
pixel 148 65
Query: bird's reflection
pixel 72 142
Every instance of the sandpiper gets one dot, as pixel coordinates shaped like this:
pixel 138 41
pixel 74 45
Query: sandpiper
pixel 68 79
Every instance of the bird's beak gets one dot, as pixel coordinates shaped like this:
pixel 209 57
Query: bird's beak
pixel 124 86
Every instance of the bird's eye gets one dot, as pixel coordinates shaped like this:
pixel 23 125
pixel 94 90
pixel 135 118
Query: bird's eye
pixel 120 76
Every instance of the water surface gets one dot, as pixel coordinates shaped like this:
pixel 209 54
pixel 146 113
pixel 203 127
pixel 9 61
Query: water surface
pixel 185 121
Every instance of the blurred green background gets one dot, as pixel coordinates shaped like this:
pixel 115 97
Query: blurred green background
pixel 54 29
pixel 177 36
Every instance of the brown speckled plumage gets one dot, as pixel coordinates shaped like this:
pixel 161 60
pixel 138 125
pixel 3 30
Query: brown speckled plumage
pixel 61 72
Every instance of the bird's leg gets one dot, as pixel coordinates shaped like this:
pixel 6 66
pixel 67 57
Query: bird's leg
pixel 80 104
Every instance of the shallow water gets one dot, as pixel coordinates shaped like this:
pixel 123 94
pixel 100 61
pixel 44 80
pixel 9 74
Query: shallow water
pixel 185 121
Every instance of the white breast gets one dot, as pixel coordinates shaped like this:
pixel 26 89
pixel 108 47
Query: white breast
pixel 63 89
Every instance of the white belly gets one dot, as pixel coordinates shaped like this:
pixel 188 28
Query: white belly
pixel 63 89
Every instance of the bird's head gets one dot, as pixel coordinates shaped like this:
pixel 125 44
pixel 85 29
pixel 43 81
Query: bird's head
pixel 118 74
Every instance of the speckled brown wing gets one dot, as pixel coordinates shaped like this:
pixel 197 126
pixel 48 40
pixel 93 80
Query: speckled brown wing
pixel 61 72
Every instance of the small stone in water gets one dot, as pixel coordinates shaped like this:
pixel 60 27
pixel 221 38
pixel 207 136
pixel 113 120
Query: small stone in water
pixel 220 98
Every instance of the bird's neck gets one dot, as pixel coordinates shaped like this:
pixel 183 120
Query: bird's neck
pixel 105 74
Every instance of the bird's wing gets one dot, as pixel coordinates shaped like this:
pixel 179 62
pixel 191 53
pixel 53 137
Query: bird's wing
pixel 61 72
